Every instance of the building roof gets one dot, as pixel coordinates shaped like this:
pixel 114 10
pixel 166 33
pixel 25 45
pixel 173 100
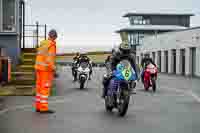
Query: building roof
pixel 156 14
pixel 152 28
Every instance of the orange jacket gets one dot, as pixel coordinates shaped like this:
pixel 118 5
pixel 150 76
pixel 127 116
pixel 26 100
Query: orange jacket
pixel 45 58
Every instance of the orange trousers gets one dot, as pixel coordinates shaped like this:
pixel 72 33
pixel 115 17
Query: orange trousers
pixel 43 85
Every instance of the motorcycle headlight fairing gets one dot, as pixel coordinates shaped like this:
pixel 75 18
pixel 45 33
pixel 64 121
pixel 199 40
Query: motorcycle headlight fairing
pixel 80 69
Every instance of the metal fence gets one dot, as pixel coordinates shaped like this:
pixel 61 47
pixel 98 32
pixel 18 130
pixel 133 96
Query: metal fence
pixel 32 34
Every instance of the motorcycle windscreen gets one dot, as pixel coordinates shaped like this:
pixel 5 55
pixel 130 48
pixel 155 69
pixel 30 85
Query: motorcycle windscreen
pixel 151 68
pixel 84 65
pixel 124 71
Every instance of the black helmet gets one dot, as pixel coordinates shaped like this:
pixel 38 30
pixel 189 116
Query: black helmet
pixel 125 47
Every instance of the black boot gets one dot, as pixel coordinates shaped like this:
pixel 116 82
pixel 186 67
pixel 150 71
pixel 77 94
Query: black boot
pixel 104 93
pixel 75 76
pixel 47 112
pixel 37 110
pixel 75 79
pixel 90 75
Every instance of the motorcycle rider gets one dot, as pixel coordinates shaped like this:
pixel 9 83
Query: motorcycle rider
pixel 76 56
pixel 145 61
pixel 107 63
pixel 75 63
pixel 107 59
pixel 84 58
pixel 123 52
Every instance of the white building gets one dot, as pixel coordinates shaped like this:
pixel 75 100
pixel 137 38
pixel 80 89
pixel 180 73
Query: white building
pixel 175 52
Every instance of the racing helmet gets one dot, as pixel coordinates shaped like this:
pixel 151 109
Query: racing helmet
pixel 125 47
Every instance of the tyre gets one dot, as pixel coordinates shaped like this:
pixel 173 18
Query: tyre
pixel 108 107
pixel 146 85
pixel 123 107
pixel 82 85
pixel 153 85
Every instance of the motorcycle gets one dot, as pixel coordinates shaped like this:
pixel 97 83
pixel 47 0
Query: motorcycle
pixel 120 88
pixel 150 76
pixel 83 74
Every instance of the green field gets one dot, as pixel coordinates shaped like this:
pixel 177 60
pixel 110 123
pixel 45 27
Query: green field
pixel 95 58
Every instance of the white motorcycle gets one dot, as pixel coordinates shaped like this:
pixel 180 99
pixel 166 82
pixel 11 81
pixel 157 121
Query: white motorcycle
pixel 83 74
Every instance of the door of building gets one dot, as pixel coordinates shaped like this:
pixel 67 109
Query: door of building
pixel 183 61
pixel 193 67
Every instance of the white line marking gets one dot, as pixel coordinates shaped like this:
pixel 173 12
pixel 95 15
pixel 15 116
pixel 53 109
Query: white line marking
pixel 186 93
pixel 62 99
pixel 196 97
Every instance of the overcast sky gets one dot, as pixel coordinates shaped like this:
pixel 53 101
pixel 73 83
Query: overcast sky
pixel 91 24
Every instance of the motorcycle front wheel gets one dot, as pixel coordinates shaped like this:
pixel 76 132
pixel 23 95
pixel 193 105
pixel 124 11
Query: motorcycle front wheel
pixel 123 105
pixel 82 85
pixel 146 85
pixel 153 81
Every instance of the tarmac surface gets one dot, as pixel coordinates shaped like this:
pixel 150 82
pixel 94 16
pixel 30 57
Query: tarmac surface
pixel 174 108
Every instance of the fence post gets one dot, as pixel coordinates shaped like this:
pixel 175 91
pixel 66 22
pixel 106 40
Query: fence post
pixel 45 31
pixel 23 24
pixel 37 33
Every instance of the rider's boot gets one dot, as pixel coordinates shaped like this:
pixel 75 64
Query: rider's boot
pixel 105 85
pixel 104 92
pixel 90 74
pixel 89 77
pixel 133 86
pixel 75 76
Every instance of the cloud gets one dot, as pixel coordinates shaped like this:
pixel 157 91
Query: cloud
pixel 91 23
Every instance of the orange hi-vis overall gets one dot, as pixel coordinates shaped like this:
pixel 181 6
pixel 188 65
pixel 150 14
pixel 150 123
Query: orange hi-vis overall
pixel 44 67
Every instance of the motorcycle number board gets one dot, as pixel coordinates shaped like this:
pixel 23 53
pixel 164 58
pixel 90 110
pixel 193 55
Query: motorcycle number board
pixel 127 74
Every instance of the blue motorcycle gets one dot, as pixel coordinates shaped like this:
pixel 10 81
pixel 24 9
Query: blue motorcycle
pixel 120 88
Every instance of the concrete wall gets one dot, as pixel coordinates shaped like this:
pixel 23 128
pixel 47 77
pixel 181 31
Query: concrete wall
pixel 10 41
pixel 198 61
pixel 178 40
pixel 10 44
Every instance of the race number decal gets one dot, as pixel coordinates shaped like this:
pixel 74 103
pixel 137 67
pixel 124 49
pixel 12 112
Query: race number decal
pixel 127 74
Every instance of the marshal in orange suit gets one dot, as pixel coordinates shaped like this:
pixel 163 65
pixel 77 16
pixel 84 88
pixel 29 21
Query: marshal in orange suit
pixel 45 68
